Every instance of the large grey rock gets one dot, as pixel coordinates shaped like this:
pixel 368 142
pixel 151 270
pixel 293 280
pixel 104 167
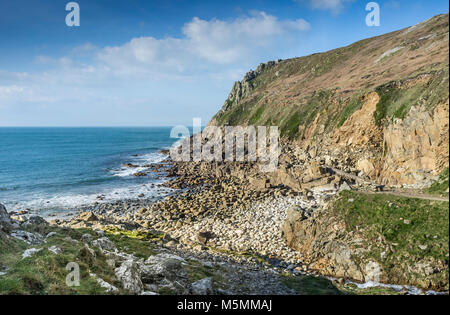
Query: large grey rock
pixel 27 237
pixel 202 287
pixel 130 276
pixel 162 266
pixel 5 220
pixel 4 215
pixel 104 244
pixel 35 220
pixel 87 238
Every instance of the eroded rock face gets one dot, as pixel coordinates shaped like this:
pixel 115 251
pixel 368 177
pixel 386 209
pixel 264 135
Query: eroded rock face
pixel 417 146
pixel 324 243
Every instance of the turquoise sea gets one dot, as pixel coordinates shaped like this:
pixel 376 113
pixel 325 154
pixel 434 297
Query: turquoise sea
pixel 56 169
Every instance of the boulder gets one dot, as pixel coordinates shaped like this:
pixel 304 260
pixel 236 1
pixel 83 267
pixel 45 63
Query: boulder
pixel 162 266
pixel 27 237
pixel 130 276
pixel 5 220
pixel 366 167
pixel 35 220
pixel 88 216
pixel 204 237
pixel 202 287
pixel 87 238
pixel 104 244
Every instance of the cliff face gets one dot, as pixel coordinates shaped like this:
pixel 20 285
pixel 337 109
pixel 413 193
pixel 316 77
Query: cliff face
pixel 380 104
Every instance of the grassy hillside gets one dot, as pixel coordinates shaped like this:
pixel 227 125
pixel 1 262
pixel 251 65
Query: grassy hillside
pixel 326 88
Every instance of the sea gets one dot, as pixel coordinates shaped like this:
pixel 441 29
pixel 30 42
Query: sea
pixel 46 170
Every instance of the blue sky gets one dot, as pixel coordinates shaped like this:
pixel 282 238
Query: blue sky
pixel 163 62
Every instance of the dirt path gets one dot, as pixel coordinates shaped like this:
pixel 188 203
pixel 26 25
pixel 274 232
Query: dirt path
pixel 410 195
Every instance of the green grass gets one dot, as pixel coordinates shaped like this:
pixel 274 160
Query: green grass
pixel 138 243
pixel 353 105
pixel 45 273
pixel 400 226
pixel 257 116
pixel 304 114
pixel 396 102
pixel 440 187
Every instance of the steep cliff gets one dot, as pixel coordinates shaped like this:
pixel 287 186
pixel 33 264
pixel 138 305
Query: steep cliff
pixel 380 104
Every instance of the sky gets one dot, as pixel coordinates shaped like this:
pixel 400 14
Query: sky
pixel 163 62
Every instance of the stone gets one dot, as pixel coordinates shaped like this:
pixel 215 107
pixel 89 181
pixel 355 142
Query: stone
pixel 30 252
pixel 49 235
pixel 109 288
pixel 55 250
pixel 130 277
pixel 344 187
pixel 87 238
pixel 423 247
pixel 366 167
pixel 202 287
pixel 35 220
pixel 162 266
pixel 5 220
pixel 27 237
pixel 4 215
pixel 104 244
pixel 88 217
pixel 149 293
pixel 204 237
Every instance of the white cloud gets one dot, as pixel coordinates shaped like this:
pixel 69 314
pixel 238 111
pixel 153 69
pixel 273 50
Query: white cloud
pixel 9 90
pixel 335 6
pixel 131 83
pixel 214 41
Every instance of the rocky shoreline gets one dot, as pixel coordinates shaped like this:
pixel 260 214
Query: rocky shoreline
pixel 217 213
